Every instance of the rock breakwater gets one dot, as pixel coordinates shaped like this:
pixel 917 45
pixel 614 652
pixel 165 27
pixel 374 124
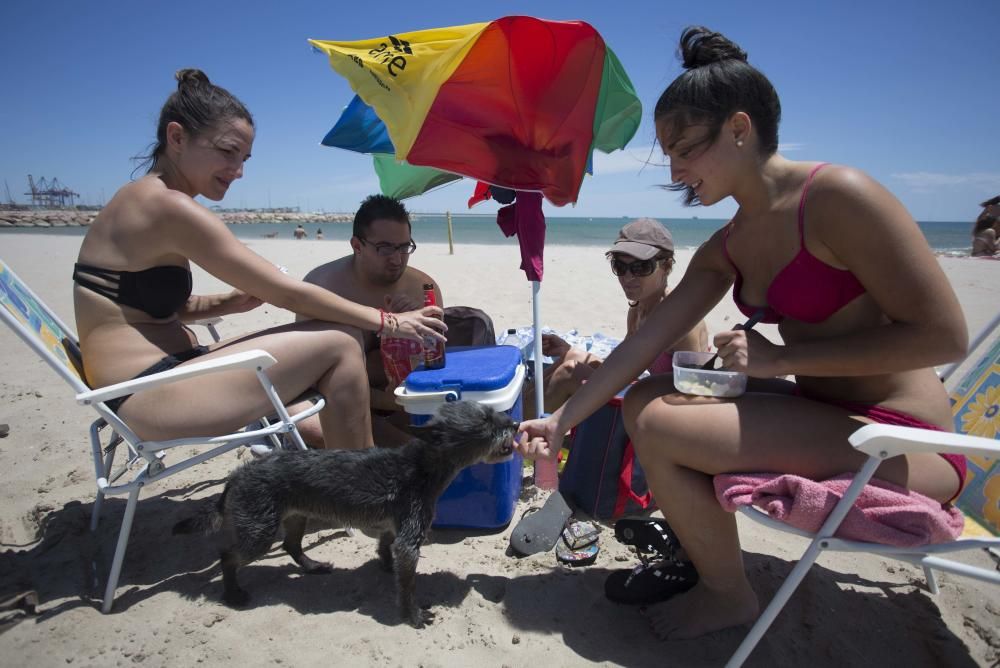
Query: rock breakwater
pixel 77 218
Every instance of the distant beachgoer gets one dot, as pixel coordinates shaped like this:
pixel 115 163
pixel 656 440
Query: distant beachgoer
pixel 862 306
pixel 986 229
pixel 133 291
pixel 299 232
pixel 642 258
pixel 377 273
pixel 319 234
pixel 991 207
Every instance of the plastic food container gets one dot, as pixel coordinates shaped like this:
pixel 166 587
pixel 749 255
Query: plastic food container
pixel 690 378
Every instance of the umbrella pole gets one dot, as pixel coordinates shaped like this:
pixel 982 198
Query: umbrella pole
pixel 546 471
pixel 536 326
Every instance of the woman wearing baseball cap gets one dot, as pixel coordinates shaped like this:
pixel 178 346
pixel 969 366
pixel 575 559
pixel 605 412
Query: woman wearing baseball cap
pixel 642 258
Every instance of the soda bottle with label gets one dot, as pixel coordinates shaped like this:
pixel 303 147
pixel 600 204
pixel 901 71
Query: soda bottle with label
pixel 433 348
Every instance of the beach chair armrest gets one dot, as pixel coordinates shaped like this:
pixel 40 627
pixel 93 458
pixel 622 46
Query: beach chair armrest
pixel 884 441
pixel 249 359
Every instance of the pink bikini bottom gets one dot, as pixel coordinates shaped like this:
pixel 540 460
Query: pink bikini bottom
pixel 883 415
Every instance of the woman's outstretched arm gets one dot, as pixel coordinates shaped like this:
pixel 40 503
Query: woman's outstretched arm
pixel 199 235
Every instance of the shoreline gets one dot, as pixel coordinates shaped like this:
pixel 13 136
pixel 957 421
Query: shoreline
pixel 83 215
pixel 944 239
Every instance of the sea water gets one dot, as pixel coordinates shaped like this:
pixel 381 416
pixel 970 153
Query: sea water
pixel 952 238
pixel 948 238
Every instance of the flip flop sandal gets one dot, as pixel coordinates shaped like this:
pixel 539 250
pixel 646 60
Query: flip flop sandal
pixel 650 583
pixel 583 556
pixel 578 534
pixel 540 528
pixel 649 536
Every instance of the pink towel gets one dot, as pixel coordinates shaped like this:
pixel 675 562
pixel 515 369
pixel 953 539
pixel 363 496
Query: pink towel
pixel 884 513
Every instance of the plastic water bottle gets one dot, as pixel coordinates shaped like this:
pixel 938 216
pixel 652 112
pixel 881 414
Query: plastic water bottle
pixel 511 339
pixel 514 340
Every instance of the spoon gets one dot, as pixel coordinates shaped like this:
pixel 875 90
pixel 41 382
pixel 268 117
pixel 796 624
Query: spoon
pixel 748 325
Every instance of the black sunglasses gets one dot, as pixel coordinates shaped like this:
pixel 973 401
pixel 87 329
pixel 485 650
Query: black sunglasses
pixel 386 249
pixel 638 268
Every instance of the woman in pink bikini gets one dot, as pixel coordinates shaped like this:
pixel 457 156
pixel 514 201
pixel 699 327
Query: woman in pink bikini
pixel 642 258
pixel 863 309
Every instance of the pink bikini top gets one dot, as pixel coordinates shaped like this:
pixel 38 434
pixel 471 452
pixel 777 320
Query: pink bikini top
pixel 664 363
pixel 806 289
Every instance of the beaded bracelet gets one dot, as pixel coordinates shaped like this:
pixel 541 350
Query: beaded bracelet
pixel 391 323
pixel 387 323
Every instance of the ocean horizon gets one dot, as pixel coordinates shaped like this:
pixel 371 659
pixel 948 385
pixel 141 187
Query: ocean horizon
pixel 947 238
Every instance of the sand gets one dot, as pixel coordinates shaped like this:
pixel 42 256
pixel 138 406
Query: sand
pixel 492 609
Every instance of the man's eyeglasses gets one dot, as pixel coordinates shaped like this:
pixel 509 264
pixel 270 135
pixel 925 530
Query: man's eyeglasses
pixel 638 268
pixel 386 249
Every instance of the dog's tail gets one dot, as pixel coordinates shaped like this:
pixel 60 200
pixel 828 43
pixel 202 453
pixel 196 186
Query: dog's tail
pixel 207 520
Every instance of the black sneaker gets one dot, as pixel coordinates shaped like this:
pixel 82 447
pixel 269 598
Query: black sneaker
pixel 650 583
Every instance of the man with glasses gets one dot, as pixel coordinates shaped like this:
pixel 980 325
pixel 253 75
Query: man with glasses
pixel 377 274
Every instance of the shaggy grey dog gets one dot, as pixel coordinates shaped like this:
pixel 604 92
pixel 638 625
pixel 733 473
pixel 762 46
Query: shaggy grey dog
pixel 389 491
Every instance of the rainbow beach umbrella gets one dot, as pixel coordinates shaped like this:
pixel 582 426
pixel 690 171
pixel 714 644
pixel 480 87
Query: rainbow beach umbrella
pixel 519 103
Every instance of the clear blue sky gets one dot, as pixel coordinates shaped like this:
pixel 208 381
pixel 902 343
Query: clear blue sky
pixel 906 91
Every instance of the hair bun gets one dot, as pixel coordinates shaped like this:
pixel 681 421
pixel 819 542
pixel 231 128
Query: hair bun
pixel 701 46
pixel 191 77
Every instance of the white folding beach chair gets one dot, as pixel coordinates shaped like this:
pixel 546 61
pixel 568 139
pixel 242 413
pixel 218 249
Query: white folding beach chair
pixel 141 462
pixel 881 442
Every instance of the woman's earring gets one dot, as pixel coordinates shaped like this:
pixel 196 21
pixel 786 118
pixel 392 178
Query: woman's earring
pixel 739 143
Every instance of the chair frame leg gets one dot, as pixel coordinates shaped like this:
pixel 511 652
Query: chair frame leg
pixel 123 536
pixel 95 516
pixel 781 597
pixel 932 583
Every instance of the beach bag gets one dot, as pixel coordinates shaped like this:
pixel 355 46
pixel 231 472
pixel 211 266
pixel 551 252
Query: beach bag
pixel 469 326
pixel 602 476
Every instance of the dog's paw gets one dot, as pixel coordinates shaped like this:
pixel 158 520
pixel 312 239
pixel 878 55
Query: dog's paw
pixel 313 567
pixel 236 598
pixel 318 568
pixel 420 618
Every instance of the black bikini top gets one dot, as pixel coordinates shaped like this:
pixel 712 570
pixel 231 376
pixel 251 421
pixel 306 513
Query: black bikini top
pixel 159 291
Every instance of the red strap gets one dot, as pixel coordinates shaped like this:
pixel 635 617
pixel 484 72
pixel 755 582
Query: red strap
pixel 802 202
pixel 625 491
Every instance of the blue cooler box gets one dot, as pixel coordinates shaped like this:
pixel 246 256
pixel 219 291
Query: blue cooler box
pixel 482 496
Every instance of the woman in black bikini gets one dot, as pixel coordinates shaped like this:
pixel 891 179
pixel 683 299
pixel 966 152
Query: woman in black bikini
pixel 862 306
pixel 133 291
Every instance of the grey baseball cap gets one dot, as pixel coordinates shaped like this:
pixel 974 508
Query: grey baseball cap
pixel 643 239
